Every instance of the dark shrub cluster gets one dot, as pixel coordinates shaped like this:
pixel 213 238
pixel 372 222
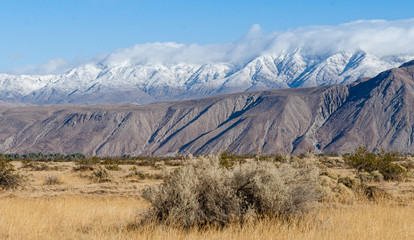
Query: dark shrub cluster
pixel 206 192
pixel 383 162
pixel 86 164
pixel 101 175
pixel 135 173
pixel 35 165
pixel 8 179
pixel 43 157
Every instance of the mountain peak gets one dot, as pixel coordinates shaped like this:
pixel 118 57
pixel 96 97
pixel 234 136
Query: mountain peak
pixel 121 82
pixel 375 113
pixel 407 64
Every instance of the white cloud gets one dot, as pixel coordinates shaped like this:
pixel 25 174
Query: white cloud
pixel 248 46
pixel 378 37
pixel 52 66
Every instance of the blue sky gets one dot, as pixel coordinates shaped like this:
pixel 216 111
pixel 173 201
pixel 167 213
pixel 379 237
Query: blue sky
pixel 33 32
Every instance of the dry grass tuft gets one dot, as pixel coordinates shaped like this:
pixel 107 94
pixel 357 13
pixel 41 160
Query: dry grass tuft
pixel 52 180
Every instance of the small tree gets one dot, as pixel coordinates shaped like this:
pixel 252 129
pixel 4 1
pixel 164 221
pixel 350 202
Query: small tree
pixel 8 179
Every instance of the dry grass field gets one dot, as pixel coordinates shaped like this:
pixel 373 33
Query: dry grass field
pixel 60 203
pixel 78 183
pixel 78 217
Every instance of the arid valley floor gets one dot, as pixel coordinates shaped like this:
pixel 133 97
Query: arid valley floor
pixel 66 200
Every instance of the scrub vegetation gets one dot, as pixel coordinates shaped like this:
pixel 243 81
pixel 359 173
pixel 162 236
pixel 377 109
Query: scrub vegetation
pixel 208 197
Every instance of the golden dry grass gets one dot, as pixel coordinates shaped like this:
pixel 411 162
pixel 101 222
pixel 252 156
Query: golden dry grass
pixel 79 208
pixel 76 217
pixel 66 217
pixel 78 183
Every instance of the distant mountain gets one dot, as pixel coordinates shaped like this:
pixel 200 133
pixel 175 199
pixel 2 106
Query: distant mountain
pixel 376 112
pixel 103 83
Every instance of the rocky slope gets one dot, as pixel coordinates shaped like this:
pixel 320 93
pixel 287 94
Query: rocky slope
pixel 376 112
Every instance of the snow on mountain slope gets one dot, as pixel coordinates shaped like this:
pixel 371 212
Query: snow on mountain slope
pixel 128 83
pixel 376 113
pixel 150 72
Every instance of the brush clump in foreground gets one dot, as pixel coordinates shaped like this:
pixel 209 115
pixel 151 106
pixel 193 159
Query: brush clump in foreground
pixel 204 192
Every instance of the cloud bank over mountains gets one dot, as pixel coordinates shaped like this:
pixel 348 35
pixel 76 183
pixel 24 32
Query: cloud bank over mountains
pixel 378 37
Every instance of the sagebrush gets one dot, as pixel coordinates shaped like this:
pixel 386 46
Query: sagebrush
pixel 205 192
pixel 101 175
pixel 8 177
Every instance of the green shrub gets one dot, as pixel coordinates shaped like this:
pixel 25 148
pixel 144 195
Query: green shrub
pixel 227 160
pixel 141 175
pixel 113 167
pixel 173 163
pixel 350 182
pixel 138 174
pixel 35 165
pixel 112 161
pixel 282 158
pixel 331 162
pixel 85 164
pixel 383 162
pixel 8 179
pixel 147 161
pixel 43 157
pixel 205 192
pixel 101 175
pixel 75 156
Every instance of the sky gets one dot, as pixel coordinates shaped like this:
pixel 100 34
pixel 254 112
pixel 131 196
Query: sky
pixel 36 36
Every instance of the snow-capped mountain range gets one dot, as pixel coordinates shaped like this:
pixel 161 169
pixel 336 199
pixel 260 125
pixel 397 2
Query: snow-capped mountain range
pixel 126 83
pixel 145 73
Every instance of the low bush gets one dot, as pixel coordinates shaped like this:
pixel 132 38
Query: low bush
pixel 35 165
pixel 173 163
pixel 228 160
pixel 149 161
pixel 8 179
pixel 282 158
pixel 383 162
pixel 101 175
pixel 86 164
pixel 135 173
pixel 113 167
pixel 206 192
pixel 331 162
pixel 52 180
